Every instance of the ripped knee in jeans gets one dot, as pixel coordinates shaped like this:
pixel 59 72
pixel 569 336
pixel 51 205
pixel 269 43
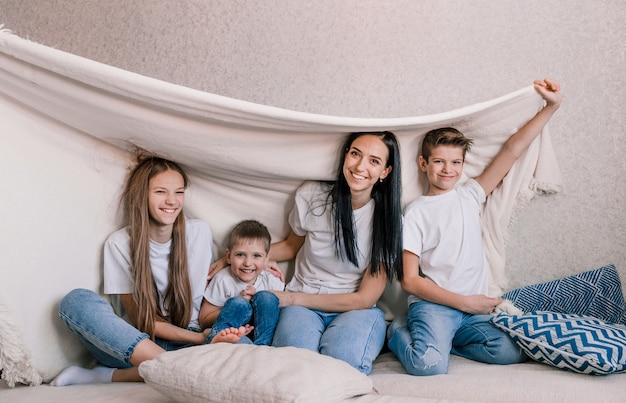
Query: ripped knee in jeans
pixel 431 358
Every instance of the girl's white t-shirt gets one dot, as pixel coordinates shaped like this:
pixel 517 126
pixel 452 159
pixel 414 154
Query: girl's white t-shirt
pixel 118 278
pixel 318 270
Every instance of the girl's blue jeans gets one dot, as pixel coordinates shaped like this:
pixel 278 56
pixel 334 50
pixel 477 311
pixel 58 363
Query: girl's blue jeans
pixel 355 337
pixel 109 338
pixel 261 312
pixel 424 339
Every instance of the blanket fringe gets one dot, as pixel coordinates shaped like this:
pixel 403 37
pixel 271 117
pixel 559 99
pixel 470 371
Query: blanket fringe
pixel 544 189
pixel 15 360
pixel 534 189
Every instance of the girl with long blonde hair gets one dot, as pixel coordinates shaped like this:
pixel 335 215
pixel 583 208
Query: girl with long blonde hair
pixel 149 269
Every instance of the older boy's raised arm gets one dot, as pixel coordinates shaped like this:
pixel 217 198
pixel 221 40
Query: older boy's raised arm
pixel 516 144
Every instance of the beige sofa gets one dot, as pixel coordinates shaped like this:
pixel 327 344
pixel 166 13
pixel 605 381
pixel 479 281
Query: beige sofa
pixel 466 381
pixel 242 373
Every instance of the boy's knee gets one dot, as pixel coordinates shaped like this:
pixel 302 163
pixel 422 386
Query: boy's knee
pixel 237 303
pixel 430 363
pixel 265 297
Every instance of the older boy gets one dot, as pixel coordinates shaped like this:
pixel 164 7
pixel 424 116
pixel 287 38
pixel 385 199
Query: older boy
pixel 241 295
pixel 444 262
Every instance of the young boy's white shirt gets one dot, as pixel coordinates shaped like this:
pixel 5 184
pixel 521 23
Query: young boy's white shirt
pixel 226 285
pixel 445 232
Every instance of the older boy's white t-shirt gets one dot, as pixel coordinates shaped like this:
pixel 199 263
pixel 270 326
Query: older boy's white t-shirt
pixel 118 278
pixel 226 285
pixel 445 232
pixel 318 270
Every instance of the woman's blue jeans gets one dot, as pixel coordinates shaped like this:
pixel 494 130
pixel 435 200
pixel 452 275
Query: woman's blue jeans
pixel 108 337
pixel 261 312
pixel 424 339
pixel 355 337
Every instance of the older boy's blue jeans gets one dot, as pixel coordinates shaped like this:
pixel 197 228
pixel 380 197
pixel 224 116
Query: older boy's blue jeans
pixel 109 338
pixel 355 337
pixel 424 339
pixel 261 312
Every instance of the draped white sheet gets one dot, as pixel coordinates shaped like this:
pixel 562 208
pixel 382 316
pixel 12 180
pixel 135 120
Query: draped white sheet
pixel 246 160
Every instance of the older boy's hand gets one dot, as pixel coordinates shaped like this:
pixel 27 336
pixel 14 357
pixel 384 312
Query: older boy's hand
pixel 480 304
pixel 550 90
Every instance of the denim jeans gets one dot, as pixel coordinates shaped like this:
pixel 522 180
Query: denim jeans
pixel 261 312
pixel 355 337
pixel 109 338
pixel 424 339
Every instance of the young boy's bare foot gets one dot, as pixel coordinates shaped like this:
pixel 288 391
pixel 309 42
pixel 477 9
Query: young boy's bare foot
pixel 231 335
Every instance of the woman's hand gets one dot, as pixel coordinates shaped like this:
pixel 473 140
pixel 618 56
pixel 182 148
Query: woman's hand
pixel 364 297
pixel 285 298
pixel 272 267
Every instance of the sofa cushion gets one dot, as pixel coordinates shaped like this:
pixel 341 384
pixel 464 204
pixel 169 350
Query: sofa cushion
pixel 577 343
pixel 596 293
pixel 224 372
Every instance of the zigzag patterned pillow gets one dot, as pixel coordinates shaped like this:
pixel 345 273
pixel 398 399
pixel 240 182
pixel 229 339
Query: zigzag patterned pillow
pixel 577 343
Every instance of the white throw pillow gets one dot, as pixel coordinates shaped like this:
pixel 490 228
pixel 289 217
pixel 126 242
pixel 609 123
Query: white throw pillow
pixel 225 372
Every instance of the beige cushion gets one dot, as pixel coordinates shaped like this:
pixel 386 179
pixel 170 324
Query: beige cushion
pixel 224 372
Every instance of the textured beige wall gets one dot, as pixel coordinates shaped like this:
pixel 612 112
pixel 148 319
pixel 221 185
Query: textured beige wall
pixel 395 58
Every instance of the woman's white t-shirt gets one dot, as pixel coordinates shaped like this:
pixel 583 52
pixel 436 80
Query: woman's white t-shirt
pixel 118 278
pixel 318 269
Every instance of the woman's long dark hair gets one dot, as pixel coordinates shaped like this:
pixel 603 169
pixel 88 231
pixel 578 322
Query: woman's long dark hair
pixel 387 222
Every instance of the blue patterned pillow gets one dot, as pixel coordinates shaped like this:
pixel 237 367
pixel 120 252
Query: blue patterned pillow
pixel 577 343
pixel 596 293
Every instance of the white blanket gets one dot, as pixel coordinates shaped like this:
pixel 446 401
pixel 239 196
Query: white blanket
pixel 246 160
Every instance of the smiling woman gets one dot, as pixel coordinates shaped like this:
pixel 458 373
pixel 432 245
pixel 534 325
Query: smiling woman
pixel 365 163
pixel 343 237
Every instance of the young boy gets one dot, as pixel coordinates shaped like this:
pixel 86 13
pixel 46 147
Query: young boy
pixel 443 258
pixel 241 294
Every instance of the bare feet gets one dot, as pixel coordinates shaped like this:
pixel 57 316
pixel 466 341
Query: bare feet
pixel 232 335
